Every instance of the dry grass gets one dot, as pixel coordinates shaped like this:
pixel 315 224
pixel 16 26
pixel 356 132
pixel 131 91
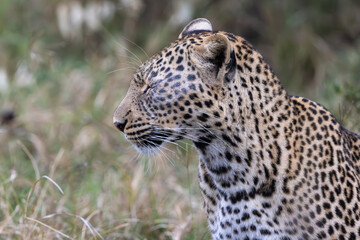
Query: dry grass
pixel 108 193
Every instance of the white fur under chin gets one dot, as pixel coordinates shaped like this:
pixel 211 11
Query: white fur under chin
pixel 147 150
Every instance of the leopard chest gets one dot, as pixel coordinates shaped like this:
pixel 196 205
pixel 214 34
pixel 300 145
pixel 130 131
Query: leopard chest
pixel 249 220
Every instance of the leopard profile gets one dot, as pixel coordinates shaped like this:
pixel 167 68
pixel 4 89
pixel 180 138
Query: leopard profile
pixel 271 165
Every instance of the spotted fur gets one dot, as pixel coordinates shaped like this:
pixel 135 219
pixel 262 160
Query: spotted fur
pixel 271 165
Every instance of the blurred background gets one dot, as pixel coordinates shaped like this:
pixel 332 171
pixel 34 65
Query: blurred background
pixel 67 173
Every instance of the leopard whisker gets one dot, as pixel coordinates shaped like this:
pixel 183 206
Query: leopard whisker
pixel 136 46
pixel 191 137
pixel 126 49
pixel 159 148
pixel 214 135
pixel 121 69
pixel 167 141
pixel 194 138
pixel 133 61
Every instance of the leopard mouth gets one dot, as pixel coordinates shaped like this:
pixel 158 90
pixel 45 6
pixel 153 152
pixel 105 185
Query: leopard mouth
pixel 151 142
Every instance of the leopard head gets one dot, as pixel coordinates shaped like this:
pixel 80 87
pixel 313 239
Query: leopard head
pixel 191 85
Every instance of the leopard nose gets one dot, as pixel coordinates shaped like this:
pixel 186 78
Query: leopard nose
pixel 120 125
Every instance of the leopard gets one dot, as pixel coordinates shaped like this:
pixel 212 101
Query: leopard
pixel 271 165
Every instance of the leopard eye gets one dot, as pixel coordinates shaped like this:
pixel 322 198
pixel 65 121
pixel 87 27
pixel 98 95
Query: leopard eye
pixel 145 88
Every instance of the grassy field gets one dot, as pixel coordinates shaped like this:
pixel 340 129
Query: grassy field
pixel 67 173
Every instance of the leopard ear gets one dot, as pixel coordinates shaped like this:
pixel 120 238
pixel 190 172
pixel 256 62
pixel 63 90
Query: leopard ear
pixel 215 59
pixel 196 26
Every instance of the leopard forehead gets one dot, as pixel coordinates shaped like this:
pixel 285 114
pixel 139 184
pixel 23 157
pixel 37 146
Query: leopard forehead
pixel 182 46
pixel 178 48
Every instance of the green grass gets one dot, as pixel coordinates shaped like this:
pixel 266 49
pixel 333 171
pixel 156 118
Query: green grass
pixel 63 126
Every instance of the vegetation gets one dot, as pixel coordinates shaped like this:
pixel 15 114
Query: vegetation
pixel 65 66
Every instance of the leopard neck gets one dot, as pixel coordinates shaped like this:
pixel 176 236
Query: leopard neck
pixel 249 148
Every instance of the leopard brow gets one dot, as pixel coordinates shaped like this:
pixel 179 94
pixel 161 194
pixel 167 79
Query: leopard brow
pixel 147 69
pixel 147 78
